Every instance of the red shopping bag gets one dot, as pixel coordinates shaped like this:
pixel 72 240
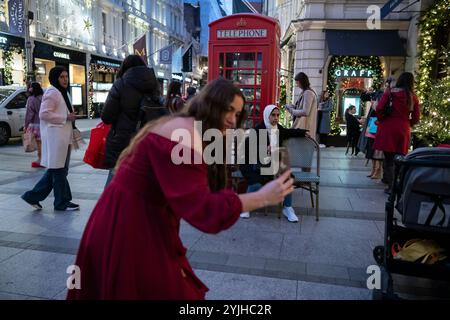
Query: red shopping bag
pixel 95 152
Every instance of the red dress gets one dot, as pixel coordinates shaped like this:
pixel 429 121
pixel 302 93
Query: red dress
pixel 393 132
pixel 131 247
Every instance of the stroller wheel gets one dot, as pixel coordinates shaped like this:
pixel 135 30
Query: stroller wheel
pixel 378 254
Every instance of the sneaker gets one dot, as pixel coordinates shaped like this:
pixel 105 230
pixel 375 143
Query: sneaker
pixel 289 213
pixel 36 205
pixel 245 215
pixel 322 146
pixel 70 207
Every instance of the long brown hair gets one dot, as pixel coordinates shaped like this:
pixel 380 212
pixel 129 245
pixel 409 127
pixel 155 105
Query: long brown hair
pixel 406 82
pixel 209 107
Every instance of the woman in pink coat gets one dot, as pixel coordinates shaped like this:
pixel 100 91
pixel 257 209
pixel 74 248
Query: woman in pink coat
pixel 394 130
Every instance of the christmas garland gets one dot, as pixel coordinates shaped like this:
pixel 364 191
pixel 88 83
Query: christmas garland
pixel 434 95
pixel 8 57
pixel 94 68
pixel 350 62
pixel 436 16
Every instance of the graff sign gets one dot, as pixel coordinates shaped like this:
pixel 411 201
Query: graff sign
pixel 353 73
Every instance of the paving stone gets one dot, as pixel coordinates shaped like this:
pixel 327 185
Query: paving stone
pixel 19 237
pixel 230 286
pixel 285 266
pixel 246 262
pixel 209 257
pixel 57 242
pixel 34 273
pixel 7 252
pixel 257 243
pixel 317 291
pixel 316 269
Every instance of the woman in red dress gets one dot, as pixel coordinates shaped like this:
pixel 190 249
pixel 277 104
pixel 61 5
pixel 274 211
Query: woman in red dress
pixel 394 130
pixel 131 247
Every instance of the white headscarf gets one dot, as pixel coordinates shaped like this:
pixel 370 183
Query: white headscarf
pixel 273 129
pixel 267 111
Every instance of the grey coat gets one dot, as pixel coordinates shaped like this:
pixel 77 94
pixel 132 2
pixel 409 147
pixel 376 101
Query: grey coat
pixel 324 125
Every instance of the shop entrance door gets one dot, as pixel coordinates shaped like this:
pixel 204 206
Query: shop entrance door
pixel 247 68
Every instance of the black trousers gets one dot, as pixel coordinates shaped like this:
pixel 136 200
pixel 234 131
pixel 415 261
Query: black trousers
pixel 388 168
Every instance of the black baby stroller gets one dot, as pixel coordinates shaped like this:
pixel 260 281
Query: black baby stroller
pixel 421 195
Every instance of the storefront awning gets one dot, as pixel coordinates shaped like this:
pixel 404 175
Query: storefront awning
pixel 364 43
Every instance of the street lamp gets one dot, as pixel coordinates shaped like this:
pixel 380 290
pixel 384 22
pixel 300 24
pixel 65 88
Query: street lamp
pixel 28 18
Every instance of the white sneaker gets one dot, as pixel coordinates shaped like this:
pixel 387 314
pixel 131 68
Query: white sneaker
pixel 289 213
pixel 245 215
pixel 322 146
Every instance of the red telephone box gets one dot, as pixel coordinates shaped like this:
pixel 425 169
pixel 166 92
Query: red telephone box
pixel 244 48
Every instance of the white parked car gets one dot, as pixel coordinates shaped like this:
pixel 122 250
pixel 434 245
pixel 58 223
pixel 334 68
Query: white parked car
pixel 13 101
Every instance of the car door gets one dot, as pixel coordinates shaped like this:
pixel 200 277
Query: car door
pixel 16 109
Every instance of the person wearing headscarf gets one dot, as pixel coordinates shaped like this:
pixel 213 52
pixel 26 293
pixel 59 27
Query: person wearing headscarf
pixel 277 134
pixel 57 121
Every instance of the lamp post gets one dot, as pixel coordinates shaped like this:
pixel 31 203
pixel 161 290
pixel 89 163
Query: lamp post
pixel 28 18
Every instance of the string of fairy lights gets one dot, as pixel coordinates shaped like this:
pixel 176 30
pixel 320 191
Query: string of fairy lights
pixel 434 94
pixel 347 62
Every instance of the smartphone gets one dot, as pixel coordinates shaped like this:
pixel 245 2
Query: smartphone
pixel 283 156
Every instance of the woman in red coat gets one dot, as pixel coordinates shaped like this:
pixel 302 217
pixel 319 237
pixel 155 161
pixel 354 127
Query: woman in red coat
pixel 131 247
pixel 394 130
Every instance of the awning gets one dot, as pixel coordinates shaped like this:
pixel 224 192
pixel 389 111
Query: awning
pixel 364 43
pixel 283 43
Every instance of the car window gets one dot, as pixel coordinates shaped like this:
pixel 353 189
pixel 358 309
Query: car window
pixel 19 101
pixel 5 93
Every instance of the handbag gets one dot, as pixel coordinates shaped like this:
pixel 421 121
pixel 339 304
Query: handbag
pixel 95 152
pixel 388 107
pixel 372 126
pixel 29 141
pixel 77 139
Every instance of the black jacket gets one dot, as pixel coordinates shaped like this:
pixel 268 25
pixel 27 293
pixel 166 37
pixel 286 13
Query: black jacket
pixel 252 172
pixel 122 108
pixel 352 126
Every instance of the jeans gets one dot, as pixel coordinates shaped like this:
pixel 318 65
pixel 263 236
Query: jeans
pixel 255 187
pixel 56 180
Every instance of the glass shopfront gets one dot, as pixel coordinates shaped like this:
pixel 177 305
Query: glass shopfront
pixel 12 60
pixel 47 56
pixel 102 74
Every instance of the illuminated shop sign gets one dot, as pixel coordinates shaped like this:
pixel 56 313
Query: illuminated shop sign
pixel 108 64
pixel 61 55
pixel 242 33
pixel 353 73
pixel 178 77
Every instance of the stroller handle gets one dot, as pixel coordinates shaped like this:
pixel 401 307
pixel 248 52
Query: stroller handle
pixel 400 160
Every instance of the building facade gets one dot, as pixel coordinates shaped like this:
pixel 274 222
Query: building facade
pixel 335 45
pixel 90 38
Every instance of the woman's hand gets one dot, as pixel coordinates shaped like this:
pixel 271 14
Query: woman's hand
pixel 275 191
pixel 289 108
pixel 71 117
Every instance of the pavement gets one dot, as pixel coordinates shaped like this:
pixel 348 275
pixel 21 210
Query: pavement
pixel 261 258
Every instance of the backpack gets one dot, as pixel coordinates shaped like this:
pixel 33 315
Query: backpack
pixel 151 109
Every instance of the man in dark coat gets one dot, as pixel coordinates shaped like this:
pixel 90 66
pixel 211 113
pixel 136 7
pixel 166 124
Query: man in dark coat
pixel 122 107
